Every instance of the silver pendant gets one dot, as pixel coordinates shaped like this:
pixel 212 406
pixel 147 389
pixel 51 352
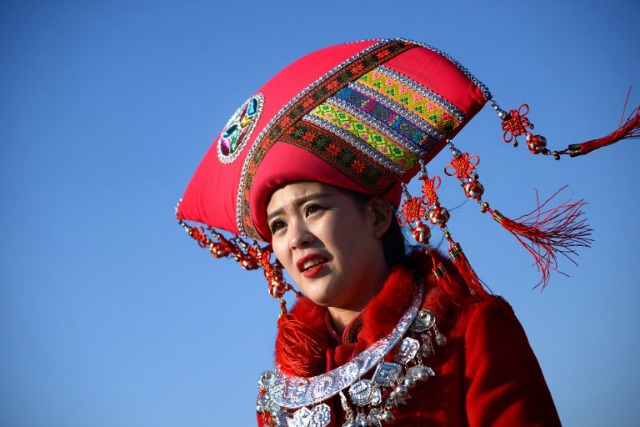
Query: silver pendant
pixel 424 320
pixel 361 392
pixel 301 418
pixel 420 372
pixel 387 373
pixel 320 415
pixel 407 350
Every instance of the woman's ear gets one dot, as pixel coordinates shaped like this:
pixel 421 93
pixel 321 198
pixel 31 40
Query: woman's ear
pixel 381 213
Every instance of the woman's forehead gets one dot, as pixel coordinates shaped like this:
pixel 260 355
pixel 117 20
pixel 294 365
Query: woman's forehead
pixel 300 192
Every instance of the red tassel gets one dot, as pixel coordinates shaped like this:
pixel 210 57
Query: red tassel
pixel 467 272
pixel 547 233
pixel 629 130
pixel 296 338
pixel 445 281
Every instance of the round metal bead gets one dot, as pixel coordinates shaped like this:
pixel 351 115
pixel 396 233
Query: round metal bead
pixel 219 252
pixel 426 350
pixel 422 374
pixel 473 189
pixel 441 340
pixel 401 390
pixel 388 417
pixel 277 289
pixel 438 215
pixel 537 143
pixel 249 264
pixel 422 233
pixel 409 382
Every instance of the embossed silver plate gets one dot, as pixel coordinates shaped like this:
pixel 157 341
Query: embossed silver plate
pixel 293 392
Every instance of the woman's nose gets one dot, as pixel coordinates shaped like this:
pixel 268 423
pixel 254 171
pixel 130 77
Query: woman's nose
pixel 300 236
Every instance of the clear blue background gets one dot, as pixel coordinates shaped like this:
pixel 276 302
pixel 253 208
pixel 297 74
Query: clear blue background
pixel 110 316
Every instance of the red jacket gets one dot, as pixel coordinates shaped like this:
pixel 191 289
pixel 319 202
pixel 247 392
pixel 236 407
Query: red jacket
pixel 486 375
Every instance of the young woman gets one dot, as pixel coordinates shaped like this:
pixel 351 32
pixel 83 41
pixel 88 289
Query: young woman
pixel 332 242
pixel 314 164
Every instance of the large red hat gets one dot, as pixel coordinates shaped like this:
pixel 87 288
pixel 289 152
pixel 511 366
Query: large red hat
pixel 358 115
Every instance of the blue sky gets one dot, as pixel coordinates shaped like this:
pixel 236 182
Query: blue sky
pixel 110 316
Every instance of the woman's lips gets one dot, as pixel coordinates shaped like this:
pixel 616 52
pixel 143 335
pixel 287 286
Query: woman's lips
pixel 310 272
pixel 311 265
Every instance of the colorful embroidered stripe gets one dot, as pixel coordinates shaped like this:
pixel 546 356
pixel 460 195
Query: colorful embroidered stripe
pixel 386 116
pixel 424 91
pixel 417 102
pixel 356 143
pixel 358 166
pixel 384 145
pixel 315 94
pixel 435 134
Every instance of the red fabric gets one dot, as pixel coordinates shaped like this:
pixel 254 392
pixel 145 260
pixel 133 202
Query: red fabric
pixel 487 375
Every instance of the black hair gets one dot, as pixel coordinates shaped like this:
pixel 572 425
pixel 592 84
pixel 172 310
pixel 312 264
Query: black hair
pixel 394 244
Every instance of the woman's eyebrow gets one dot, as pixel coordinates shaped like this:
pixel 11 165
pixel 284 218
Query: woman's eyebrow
pixel 298 202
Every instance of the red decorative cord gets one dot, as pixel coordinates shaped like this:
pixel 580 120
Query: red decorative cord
pixel 415 209
pixel 516 124
pixel 462 166
pixel 412 211
pixel 429 187
pixel 545 232
pixel 250 255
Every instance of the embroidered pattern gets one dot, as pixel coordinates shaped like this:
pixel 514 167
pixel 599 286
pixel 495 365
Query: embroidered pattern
pixel 366 133
pixel 385 115
pixel 435 135
pixel 238 129
pixel 424 103
pixel 357 143
pixel 306 101
pixel 342 155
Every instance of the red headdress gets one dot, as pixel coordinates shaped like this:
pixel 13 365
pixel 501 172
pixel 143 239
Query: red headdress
pixel 363 116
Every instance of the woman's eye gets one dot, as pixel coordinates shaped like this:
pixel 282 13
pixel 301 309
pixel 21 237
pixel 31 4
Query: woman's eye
pixel 310 209
pixel 276 225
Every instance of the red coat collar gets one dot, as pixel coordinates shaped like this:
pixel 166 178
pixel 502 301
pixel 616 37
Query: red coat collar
pixel 306 347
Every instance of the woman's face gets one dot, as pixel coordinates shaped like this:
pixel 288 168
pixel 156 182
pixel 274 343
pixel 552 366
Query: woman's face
pixel 329 243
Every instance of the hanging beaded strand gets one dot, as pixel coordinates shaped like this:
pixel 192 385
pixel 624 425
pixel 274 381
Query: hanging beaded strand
pixel 428 207
pixel 546 232
pixel 516 123
pixel 250 255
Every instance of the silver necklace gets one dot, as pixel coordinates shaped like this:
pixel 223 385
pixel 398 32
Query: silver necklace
pixel 301 402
